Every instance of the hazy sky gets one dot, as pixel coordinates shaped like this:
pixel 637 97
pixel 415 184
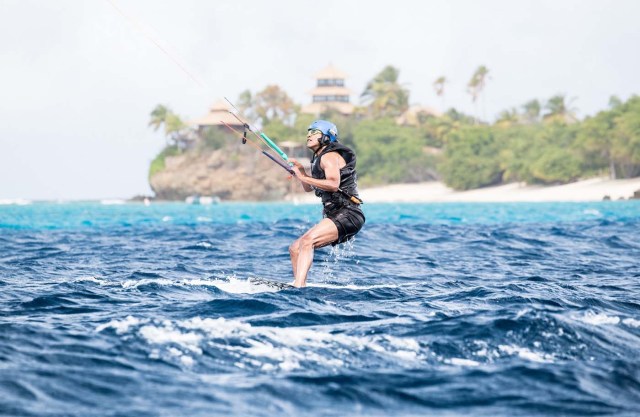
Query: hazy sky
pixel 78 80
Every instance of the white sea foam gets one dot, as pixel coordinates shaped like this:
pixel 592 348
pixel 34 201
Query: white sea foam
pixel 631 322
pixel 135 283
pixel 120 326
pixel 592 212
pixel 598 319
pixel 527 354
pixel 263 347
pixel 93 279
pixel 462 362
pixel 167 334
pixel 484 348
pixel 177 353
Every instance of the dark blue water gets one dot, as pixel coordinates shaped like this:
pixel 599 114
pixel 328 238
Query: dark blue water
pixel 435 309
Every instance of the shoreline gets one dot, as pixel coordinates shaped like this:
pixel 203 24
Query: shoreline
pixel 589 190
pixel 594 189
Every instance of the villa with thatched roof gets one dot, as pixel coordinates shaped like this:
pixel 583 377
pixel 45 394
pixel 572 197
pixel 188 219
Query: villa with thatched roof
pixel 218 113
pixel 330 93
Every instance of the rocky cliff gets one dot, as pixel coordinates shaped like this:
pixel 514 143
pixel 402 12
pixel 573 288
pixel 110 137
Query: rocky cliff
pixel 239 173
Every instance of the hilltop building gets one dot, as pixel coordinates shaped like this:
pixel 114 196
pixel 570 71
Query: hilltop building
pixel 330 93
pixel 218 113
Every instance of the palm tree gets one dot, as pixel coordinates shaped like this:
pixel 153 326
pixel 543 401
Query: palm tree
pixel 158 116
pixel 476 86
pixel 560 109
pixel 173 124
pixel 531 111
pixel 438 85
pixel 384 95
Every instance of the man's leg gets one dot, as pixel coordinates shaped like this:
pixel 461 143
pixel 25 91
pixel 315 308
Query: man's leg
pixel 302 249
pixel 293 253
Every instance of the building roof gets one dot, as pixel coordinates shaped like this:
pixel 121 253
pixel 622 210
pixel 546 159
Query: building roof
pixel 318 108
pixel 218 113
pixel 330 72
pixel 220 105
pixel 410 117
pixel 330 91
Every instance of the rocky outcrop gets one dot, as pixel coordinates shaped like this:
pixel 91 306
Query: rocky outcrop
pixel 239 173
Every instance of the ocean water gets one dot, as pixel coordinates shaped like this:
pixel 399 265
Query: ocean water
pixel 434 309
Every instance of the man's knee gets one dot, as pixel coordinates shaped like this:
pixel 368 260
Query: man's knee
pixel 307 241
pixel 294 248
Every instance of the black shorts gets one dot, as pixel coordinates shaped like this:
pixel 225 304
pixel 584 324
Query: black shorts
pixel 348 219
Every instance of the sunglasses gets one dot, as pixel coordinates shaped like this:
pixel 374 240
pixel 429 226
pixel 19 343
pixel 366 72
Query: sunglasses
pixel 314 132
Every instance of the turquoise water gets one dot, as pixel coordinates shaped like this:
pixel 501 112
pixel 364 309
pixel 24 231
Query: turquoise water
pixel 69 215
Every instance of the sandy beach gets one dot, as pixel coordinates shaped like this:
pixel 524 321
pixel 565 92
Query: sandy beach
pixel 594 189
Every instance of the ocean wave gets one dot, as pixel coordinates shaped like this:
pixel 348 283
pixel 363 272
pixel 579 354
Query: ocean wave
pixel 264 348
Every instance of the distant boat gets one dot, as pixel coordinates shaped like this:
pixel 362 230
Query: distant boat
pixel 14 201
pixel 112 202
pixel 202 200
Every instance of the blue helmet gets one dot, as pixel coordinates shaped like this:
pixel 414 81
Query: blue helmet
pixel 328 129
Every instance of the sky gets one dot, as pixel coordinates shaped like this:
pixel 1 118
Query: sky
pixel 78 78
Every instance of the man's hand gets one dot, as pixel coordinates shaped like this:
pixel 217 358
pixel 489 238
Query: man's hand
pixel 301 174
pixel 297 168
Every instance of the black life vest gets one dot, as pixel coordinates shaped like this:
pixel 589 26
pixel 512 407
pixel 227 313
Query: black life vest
pixel 348 176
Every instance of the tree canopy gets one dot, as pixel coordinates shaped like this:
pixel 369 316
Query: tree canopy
pixel 534 143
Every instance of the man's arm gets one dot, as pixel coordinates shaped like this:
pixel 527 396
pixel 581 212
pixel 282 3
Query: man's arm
pixel 331 164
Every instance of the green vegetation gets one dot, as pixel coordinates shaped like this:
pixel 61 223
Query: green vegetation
pixel 538 142
pixel 390 153
pixel 157 164
pixel 471 150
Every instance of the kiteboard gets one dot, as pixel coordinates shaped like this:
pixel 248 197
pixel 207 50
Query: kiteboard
pixel 273 284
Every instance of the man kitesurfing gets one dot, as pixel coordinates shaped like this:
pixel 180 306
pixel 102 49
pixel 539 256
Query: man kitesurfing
pixel 333 178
